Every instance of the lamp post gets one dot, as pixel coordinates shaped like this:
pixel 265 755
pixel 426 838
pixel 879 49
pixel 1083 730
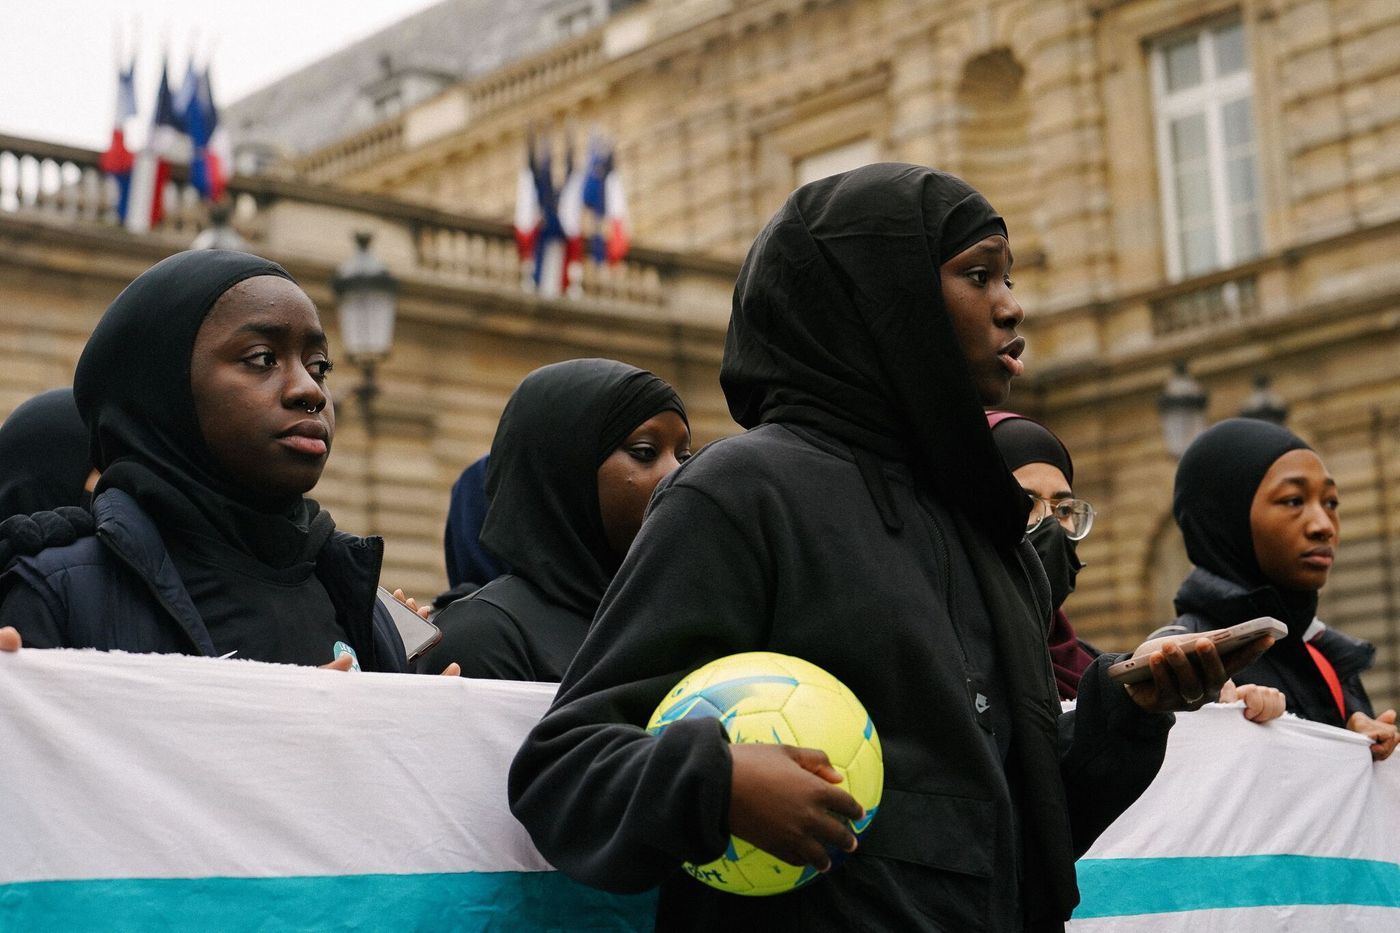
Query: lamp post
pixel 1182 406
pixel 366 298
pixel 1264 403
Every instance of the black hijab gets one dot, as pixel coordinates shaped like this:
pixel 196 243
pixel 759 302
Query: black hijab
pixel 838 324
pixel 1215 486
pixel 559 426
pixel 132 387
pixel 44 461
pixel 1022 441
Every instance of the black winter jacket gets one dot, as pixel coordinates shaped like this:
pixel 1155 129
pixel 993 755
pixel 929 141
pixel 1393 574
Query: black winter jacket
pixel 768 541
pixel 119 590
pixel 1207 601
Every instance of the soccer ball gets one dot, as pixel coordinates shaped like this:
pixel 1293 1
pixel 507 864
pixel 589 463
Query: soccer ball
pixel 773 698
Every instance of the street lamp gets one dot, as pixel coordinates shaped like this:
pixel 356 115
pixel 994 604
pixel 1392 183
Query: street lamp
pixel 1182 406
pixel 367 299
pixel 1264 403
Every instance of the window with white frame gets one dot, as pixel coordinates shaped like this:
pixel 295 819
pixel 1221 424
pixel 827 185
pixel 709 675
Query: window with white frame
pixel 837 159
pixel 1206 151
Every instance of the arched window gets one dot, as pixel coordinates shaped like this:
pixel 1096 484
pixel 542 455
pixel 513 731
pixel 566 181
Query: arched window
pixel 994 139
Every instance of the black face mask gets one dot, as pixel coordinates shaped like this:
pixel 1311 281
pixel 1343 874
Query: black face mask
pixel 1057 555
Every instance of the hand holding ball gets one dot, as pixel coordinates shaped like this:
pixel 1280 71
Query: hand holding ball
pixel 775 699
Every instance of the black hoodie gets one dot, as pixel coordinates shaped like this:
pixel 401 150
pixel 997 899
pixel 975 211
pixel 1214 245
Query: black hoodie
pixel 543 519
pixel 866 523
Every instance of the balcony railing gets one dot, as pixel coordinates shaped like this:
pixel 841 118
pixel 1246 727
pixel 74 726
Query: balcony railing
pixel 63 185
pixel 519 81
pixel 1212 305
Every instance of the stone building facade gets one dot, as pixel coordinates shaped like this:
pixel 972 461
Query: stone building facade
pixel 1215 181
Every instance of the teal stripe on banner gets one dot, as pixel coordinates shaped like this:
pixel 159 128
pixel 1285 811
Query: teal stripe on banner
pixel 494 901
pixel 1121 887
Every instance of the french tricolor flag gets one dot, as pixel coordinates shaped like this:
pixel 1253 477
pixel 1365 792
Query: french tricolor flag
pixel 152 170
pixel 209 161
pixel 606 200
pixel 118 161
pixel 218 148
pixel 571 225
pixel 528 211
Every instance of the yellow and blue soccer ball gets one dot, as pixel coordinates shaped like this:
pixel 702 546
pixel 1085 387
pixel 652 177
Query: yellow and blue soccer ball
pixel 761 696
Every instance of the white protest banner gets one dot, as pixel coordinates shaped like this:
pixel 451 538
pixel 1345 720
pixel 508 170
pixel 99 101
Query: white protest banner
pixel 1285 826
pixel 142 792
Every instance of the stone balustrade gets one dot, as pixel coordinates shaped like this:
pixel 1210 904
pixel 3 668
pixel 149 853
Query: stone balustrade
pixel 451 111
pixel 528 78
pixel 356 151
pixel 63 185
pixel 1208 305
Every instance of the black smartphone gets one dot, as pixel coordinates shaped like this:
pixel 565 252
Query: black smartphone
pixel 418 634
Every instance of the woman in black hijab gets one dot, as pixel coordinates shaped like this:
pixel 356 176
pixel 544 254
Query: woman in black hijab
pixel 1258 512
pixel 203 391
pixel 1041 464
pixel 866 523
pixel 578 450
pixel 44 460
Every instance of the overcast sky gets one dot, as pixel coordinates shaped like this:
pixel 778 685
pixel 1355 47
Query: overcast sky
pixel 58 66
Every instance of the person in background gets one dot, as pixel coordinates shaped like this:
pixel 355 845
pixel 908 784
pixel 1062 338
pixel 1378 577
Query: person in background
pixel 44 458
pixel 203 388
pixel 469 564
pixel 1057 522
pixel 866 523
pixel 579 449
pixel 1260 517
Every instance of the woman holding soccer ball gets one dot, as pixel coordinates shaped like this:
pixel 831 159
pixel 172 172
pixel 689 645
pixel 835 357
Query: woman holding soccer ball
pixel 865 523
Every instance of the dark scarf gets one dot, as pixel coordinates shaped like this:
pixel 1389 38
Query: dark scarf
pixel 1067 656
pixel 1215 486
pixel 1022 441
pixel 838 324
pixel 132 387
pixel 559 426
pixel 468 561
pixel 44 460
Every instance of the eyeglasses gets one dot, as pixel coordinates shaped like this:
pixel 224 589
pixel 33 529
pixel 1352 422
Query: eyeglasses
pixel 1076 515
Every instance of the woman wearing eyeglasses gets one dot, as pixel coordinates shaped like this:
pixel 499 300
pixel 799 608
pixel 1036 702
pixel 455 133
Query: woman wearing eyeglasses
pixel 1057 522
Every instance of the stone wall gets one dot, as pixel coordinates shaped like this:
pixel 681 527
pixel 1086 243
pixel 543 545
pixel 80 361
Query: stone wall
pixel 717 107
pixel 1047 107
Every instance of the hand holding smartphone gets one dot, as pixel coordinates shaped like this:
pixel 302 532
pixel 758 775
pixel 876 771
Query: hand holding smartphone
pixel 418 634
pixel 1138 669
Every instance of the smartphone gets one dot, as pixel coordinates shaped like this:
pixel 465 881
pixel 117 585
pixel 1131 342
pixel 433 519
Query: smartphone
pixel 418 634
pixel 1137 669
